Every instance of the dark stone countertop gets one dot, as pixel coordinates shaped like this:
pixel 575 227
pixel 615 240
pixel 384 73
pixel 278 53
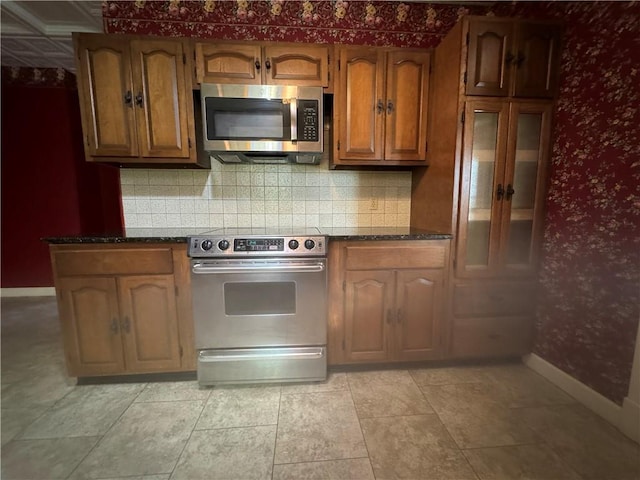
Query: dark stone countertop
pixel 179 235
pixel 383 233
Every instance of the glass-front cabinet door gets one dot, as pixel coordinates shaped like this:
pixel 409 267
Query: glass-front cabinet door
pixel 504 155
pixel 527 153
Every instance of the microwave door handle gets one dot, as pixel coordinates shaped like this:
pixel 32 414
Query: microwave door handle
pixel 293 105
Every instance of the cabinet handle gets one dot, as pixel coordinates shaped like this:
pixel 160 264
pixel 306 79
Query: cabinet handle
pixel 389 316
pixel 126 325
pixel 380 107
pixel 139 99
pixel 389 107
pixel 500 192
pixel 127 98
pixel 509 58
pixel 399 316
pixel 510 192
pixel 519 59
pixel 114 326
pixel 267 64
pixel 257 64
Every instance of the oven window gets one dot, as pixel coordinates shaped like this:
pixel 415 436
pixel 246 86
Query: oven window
pixel 259 298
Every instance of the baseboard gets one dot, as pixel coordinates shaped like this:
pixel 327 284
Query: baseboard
pixel 630 419
pixel 28 292
pixel 599 404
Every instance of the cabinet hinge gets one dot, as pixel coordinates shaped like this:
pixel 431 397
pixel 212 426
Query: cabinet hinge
pixel 426 146
pixel 189 141
pixel 467 38
pixel 338 65
pixel 338 145
pixel 464 79
pixel 184 58
pixel 462 117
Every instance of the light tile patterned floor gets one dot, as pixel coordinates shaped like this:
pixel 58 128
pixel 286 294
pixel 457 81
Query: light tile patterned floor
pixel 481 422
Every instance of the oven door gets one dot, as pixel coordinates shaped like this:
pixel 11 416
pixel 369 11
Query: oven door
pixel 259 302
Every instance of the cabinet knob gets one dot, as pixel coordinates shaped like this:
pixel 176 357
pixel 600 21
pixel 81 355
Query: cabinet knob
pixel 267 64
pixel 114 326
pixel 500 192
pixel 257 64
pixel 389 316
pixel 380 107
pixel 510 192
pixel 127 98
pixel 389 107
pixel 126 325
pixel 139 99
pixel 508 58
pixel 520 59
pixel 399 316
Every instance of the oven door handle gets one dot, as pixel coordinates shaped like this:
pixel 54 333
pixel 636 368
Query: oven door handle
pixel 202 269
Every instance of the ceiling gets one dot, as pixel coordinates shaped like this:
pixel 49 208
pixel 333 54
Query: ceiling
pixel 38 33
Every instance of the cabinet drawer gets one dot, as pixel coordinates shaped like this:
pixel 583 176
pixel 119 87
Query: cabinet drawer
pixel 404 255
pixel 491 337
pixel 494 299
pixel 113 262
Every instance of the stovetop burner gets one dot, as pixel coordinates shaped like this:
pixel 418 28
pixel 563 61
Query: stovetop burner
pixel 261 242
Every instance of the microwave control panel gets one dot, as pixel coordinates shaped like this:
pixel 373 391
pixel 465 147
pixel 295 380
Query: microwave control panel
pixel 308 120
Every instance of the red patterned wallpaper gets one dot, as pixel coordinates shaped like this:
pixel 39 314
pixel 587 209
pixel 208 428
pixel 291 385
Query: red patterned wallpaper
pixel 38 77
pixel 590 278
pixel 377 23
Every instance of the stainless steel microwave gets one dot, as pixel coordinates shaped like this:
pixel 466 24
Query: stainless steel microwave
pixel 262 123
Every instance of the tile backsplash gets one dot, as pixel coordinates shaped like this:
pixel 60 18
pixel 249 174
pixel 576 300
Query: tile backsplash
pixel 264 195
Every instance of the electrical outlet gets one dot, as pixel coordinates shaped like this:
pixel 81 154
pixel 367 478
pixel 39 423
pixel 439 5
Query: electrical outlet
pixel 374 204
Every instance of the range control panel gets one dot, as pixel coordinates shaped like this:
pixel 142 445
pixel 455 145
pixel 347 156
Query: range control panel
pixel 289 246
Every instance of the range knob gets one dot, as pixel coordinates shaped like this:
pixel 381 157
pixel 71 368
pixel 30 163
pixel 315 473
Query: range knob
pixel 206 245
pixel 223 244
pixel 309 244
pixel 293 244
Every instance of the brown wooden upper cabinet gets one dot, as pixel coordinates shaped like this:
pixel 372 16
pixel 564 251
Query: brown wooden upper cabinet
pixel 381 106
pixel 262 64
pixel 135 100
pixel 509 57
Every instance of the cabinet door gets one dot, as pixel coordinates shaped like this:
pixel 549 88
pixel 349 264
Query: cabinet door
pixel 482 188
pixel 106 96
pixel 290 65
pixel 419 302
pixel 368 315
pixel 160 98
pixel 362 107
pixel 489 57
pixel 406 105
pixel 525 173
pixel 229 63
pixel 149 323
pixel 90 325
pixel 537 59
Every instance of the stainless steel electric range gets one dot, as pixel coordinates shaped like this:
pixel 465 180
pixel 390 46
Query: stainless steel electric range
pixel 259 305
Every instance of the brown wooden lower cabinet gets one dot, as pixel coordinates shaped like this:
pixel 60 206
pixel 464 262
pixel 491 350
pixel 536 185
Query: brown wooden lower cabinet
pixel 120 313
pixel 387 300
pixel 492 319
